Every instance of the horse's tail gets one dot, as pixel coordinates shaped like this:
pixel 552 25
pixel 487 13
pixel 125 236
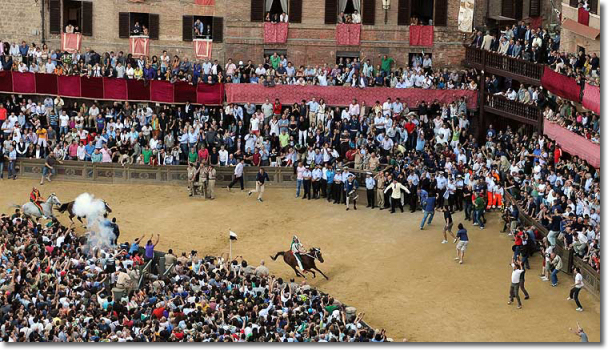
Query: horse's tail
pixel 274 258
pixel 62 208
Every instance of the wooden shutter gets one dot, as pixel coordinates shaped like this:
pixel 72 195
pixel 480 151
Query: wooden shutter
pixel 534 8
pixel 257 10
pixel 123 25
pixel 518 11
pixel 295 11
pixel 55 16
pixel 188 22
pixel 593 4
pixel 153 26
pixel 87 18
pixel 368 17
pixel 404 13
pixel 441 13
pixel 574 3
pixel 217 29
pixel 331 11
pixel 507 8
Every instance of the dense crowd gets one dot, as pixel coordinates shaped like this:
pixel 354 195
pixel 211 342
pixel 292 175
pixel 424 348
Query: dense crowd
pixel 57 288
pixel 539 46
pixel 274 70
pixel 267 134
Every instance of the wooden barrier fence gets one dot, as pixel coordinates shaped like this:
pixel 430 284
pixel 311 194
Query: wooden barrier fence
pixel 569 259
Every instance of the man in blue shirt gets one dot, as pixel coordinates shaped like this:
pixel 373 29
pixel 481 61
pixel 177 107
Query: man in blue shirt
pixel 370 183
pixel 463 240
pixel 429 211
pixel 329 174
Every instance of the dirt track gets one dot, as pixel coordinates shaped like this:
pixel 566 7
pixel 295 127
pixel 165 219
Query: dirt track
pixel 404 279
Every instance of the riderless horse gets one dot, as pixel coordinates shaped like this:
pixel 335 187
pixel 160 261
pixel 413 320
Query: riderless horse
pixel 308 261
pixel 69 207
pixel 30 209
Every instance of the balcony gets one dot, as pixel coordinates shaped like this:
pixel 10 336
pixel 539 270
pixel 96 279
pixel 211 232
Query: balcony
pixel 509 67
pixel 571 12
pixel 525 113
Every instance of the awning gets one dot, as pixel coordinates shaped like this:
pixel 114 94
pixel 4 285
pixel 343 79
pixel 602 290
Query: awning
pixel 501 18
pixel 580 29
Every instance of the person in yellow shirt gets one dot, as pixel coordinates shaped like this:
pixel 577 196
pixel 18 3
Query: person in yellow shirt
pixel 42 136
pixel 138 74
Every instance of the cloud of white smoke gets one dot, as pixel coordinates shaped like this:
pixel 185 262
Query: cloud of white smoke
pixel 93 209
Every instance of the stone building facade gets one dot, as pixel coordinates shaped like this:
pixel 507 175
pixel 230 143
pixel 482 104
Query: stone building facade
pixel 311 41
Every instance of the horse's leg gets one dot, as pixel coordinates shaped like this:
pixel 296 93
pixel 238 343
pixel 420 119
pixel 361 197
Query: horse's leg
pixel 321 272
pixel 298 274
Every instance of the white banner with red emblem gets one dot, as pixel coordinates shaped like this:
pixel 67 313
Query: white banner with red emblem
pixel 70 42
pixel 203 48
pixel 140 46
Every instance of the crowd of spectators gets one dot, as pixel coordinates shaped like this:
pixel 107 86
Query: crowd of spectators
pixel 539 46
pixel 58 288
pixel 274 70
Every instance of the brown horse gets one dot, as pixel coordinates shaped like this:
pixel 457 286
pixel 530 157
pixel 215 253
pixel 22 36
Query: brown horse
pixel 308 261
pixel 69 207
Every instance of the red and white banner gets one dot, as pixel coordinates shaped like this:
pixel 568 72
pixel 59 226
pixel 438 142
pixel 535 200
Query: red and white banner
pixel 203 48
pixel 422 35
pixel 275 33
pixel 348 34
pixel 140 46
pixel 70 42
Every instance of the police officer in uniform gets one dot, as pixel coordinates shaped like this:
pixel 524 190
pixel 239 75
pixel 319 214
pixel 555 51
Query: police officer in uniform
pixel 370 183
pixel 380 181
pixel 459 192
pixel 211 174
pixel 192 172
pixel 338 187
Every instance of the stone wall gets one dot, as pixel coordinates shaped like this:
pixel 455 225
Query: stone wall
pixel 310 42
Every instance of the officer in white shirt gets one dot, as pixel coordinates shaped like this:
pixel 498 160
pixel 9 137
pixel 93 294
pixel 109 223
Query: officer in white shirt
pixel 317 175
pixel 370 183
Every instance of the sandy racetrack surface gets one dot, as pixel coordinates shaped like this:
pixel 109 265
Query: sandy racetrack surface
pixel 404 279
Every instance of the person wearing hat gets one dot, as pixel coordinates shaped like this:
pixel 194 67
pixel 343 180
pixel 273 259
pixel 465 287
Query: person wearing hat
pixel 350 187
pixel 370 183
pixel 338 186
pixel 307 177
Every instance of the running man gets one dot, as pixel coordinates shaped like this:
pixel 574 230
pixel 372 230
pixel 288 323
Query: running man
pixel 260 178
pixel 297 248
pixel 463 240
pixel 447 215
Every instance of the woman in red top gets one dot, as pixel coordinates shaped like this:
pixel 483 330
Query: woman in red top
pixel 276 107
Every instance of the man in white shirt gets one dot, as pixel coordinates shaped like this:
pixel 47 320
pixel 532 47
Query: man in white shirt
pixel 515 278
pixel 356 17
pixel 576 288
pixel 238 175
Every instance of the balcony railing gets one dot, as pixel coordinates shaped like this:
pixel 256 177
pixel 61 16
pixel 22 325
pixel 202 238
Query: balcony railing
pixel 525 112
pixel 504 65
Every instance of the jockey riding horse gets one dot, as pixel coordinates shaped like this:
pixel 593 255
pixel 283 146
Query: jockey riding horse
pixel 37 199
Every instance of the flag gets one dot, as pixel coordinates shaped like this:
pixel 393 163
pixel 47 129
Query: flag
pixel 233 235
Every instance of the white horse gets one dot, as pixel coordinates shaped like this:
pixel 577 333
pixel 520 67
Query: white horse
pixel 30 209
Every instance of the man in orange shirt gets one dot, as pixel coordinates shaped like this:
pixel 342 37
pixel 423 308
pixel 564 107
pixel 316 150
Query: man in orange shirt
pixel 42 136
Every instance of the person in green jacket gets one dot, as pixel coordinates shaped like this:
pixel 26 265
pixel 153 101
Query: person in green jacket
pixel 386 65
pixel 480 205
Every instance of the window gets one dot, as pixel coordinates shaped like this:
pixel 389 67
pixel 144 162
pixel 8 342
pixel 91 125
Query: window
pixel 271 10
pixel 198 27
pixel 78 15
pixel 423 12
pixel 138 24
pixel 280 52
pixel 419 56
pixel 512 9
pixel 346 56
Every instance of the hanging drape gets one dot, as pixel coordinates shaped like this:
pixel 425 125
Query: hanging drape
pixel 269 5
pixel 357 5
pixel 284 6
pixel 342 5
